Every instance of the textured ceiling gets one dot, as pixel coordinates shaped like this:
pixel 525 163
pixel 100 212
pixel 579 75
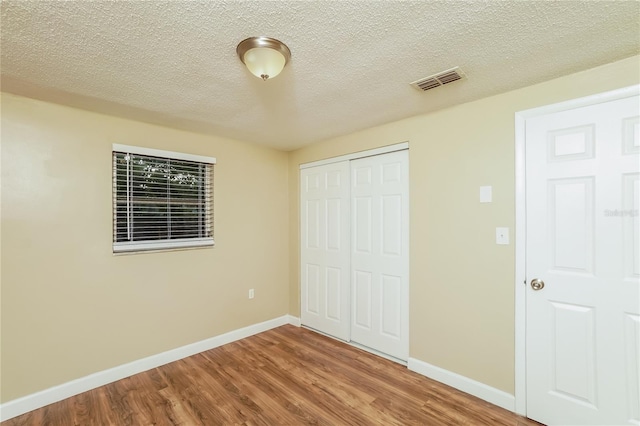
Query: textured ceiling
pixel 174 63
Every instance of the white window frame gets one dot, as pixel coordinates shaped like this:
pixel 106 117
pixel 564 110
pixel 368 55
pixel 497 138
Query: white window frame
pixel 140 246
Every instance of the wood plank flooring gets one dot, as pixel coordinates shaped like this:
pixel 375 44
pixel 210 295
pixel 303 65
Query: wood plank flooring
pixel 285 376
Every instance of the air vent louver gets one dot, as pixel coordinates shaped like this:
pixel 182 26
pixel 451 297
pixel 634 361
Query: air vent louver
pixel 440 79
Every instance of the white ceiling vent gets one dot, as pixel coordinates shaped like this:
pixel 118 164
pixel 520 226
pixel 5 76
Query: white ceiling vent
pixel 439 79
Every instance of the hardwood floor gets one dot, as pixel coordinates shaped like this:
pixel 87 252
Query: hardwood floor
pixel 285 376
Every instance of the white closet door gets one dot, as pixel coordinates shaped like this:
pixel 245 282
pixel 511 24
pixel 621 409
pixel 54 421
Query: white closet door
pixel 380 253
pixel 324 257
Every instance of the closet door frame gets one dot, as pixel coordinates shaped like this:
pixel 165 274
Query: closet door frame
pixel 360 154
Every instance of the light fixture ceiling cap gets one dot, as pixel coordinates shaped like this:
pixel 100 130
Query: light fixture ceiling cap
pixel 254 42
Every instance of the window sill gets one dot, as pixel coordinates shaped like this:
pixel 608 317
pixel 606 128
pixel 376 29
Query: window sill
pixel 156 246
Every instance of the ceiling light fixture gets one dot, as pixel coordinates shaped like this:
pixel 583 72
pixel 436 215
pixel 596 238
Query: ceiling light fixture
pixel 265 57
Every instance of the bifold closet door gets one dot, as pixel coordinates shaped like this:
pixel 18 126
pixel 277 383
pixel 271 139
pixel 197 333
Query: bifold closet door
pixel 325 253
pixel 380 253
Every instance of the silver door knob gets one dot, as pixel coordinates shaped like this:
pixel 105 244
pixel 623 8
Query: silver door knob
pixel 537 284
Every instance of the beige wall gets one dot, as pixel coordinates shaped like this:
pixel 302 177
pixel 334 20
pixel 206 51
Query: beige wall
pixel 462 283
pixel 69 306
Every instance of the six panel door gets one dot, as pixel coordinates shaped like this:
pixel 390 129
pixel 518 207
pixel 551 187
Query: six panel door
pixel 324 257
pixel 354 251
pixel 583 326
pixel 379 253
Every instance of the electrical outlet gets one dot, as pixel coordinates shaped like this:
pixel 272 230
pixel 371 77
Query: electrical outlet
pixel 251 293
pixel 502 235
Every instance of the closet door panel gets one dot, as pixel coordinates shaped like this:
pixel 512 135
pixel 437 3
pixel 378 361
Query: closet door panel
pixel 380 251
pixel 325 249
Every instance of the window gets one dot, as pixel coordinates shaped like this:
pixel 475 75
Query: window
pixel 161 199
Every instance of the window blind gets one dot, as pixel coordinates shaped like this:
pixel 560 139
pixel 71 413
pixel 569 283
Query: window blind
pixel 161 201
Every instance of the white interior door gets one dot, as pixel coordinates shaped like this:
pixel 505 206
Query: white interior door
pixel 380 253
pixel 583 326
pixel 324 256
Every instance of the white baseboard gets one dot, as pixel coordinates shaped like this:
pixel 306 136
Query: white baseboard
pixel 37 400
pixel 294 320
pixel 465 384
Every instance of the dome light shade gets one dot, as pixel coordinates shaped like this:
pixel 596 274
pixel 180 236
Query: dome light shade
pixel 265 57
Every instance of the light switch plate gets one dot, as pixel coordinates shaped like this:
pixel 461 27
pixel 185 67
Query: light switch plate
pixel 486 194
pixel 502 235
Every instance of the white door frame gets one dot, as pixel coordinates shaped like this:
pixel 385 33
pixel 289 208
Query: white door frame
pixel 520 226
pixel 359 154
